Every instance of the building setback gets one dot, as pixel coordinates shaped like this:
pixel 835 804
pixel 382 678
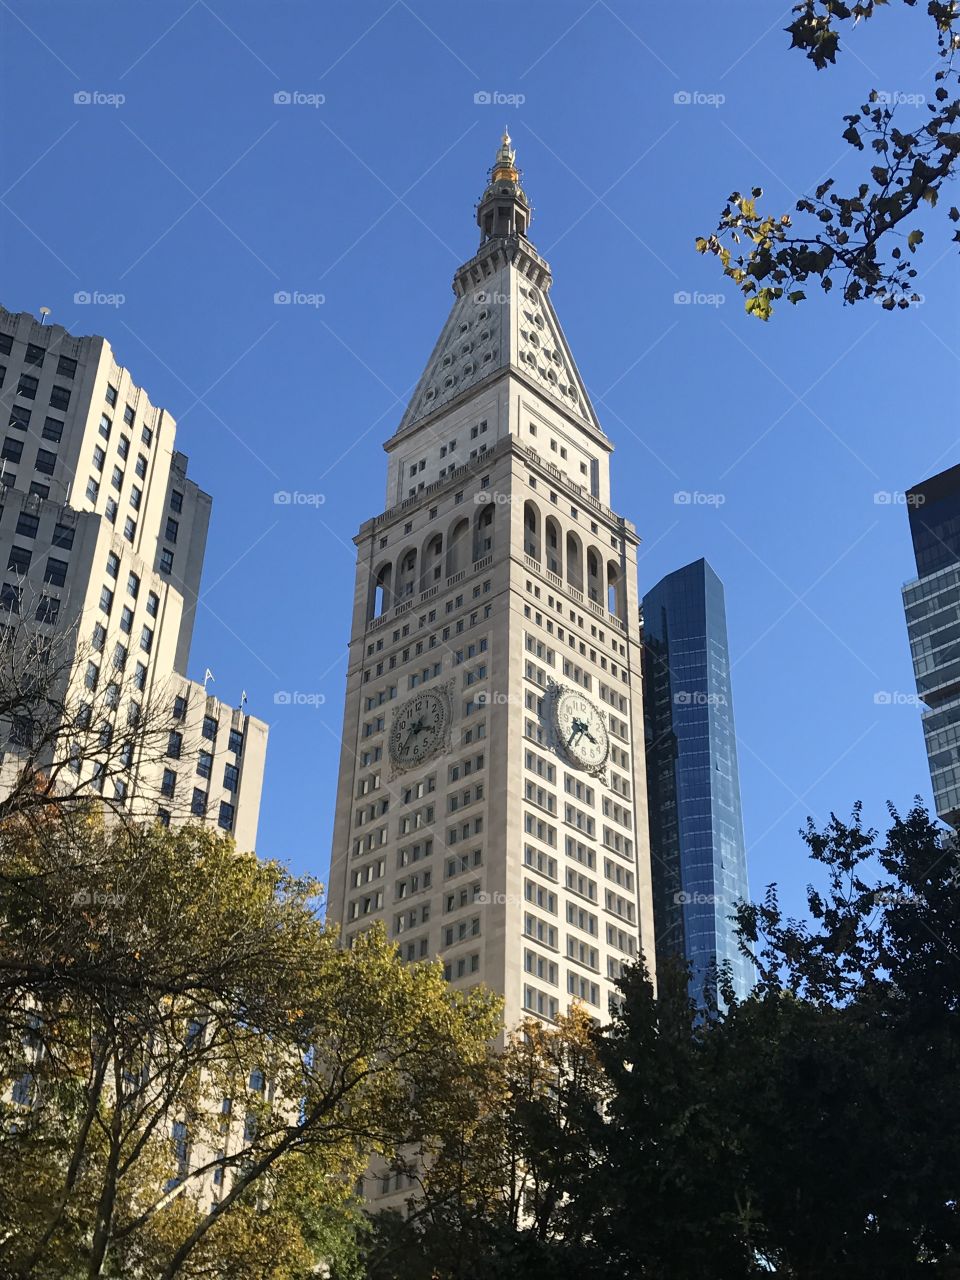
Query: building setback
pixel 491 807
pixel 102 537
pixel 932 605
pixel 696 826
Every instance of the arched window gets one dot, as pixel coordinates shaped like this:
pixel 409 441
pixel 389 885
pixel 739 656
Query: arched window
pixel 574 562
pixel 380 599
pixel 431 562
pixel 614 589
pixel 594 584
pixel 458 547
pixel 483 535
pixel 531 530
pixel 553 545
pixel 406 574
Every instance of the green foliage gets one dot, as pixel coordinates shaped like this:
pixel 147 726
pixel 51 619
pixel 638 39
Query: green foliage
pixel 145 977
pixel 858 240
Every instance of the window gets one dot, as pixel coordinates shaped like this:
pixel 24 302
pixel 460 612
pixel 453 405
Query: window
pixel 66 367
pixel 12 449
pixel 91 676
pixel 93 489
pixel 166 560
pixel 171 530
pixel 163 817
pixel 146 639
pixel 204 764
pixel 128 415
pixel 225 817
pixel 169 783
pixel 20 417
pixel 231 777
pixel 38 490
pixel 116 479
pixel 106 599
pixel 123 446
pixel 176 500
pixel 110 511
pixel 113 564
pixel 48 609
pixel 99 458
pixel 111 394
pixel 62 536
pixel 210 728
pixel 60 398
pixel 99 637
pixel 135 496
pixel 120 655
pixel 27 387
pixel 133 585
pixel 146 435
pixel 198 804
pixel 106 425
pixel 141 466
pixel 174 744
pixel 153 604
pixel 10 597
pixel 46 462
pixel 27 524
pixel 19 559
pixel 126 619
pixel 179 707
pixel 34 354
pixel 129 528
pixel 56 572
pixel 140 676
pixel 235 742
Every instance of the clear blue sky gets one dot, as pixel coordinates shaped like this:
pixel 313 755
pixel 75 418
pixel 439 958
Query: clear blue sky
pixel 199 197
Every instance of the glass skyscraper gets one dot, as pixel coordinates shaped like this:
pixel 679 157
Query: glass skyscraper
pixel 932 606
pixel 696 825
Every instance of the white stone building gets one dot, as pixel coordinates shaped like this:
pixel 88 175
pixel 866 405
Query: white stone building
pixel 491 807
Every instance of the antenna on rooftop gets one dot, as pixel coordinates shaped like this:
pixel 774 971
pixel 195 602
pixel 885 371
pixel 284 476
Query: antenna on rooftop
pixel 44 312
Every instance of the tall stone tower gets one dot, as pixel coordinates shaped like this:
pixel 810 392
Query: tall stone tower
pixel 491 807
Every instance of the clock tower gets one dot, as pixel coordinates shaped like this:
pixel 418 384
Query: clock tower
pixel 491 807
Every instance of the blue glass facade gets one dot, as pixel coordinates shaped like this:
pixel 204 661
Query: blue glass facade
pixel 932 606
pixel 696 825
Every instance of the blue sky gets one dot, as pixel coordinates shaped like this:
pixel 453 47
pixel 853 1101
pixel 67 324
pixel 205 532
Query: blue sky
pixel 198 198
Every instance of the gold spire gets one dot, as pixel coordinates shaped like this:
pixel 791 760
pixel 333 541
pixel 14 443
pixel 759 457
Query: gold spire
pixel 504 166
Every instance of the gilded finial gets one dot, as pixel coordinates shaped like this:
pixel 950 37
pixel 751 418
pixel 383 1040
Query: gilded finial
pixel 504 167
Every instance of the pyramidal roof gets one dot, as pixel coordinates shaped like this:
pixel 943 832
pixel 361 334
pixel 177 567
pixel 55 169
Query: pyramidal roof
pixel 502 316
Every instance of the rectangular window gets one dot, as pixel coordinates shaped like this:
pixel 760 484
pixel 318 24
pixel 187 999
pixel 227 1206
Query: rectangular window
pixel 123 446
pixel 128 415
pixel 166 560
pixel 176 500
pixel 10 597
pixel 27 387
pixel 99 458
pixel 48 609
pixel 93 489
pixel 110 511
pixel 63 535
pixel 34 354
pixel 116 478
pixel 27 524
pixel 20 417
pixel 55 572
pixel 171 530
pixel 179 707
pixel 141 466
pixel 174 744
pixel 60 398
pixel 210 728
pixel 198 805
pixel 106 425
pixel 12 449
pixel 146 435
pixel 169 784
pixel 111 393
pixel 129 528
pixel 38 490
pixel 235 742
pixel 66 367
pixel 225 818
pixel 204 764
pixel 231 777
pixel 46 462
pixel 153 604
pixel 146 639
pixel 126 619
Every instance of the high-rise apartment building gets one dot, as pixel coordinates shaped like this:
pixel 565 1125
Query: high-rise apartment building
pixel 491 807
pixel 102 537
pixel 693 785
pixel 932 605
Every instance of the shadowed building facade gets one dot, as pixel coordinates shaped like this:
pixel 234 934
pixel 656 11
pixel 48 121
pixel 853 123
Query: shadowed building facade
pixel 697 846
pixel 932 605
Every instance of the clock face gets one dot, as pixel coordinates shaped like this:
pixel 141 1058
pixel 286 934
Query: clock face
pixel 581 730
pixel 418 729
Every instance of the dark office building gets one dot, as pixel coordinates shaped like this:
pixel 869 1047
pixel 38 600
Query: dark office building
pixel 932 606
pixel 696 826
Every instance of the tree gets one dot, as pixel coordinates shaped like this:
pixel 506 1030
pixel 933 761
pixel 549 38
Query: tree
pixel 184 1046
pixel 866 240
